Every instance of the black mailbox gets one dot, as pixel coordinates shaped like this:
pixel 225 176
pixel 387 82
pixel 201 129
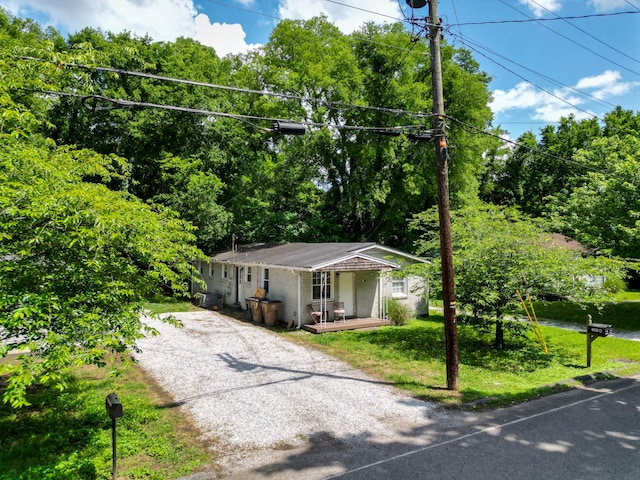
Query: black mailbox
pixel 114 407
pixel 601 329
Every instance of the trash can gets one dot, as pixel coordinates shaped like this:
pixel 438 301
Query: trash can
pixel 256 309
pixel 270 309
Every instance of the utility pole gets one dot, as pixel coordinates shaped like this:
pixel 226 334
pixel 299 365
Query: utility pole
pixel 442 174
pixel 442 177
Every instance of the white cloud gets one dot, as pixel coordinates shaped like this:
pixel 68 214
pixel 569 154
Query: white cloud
pixel 345 18
pixel 545 106
pixel 606 85
pixel 551 106
pixel 607 5
pixel 541 7
pixel 605 79
pixel 225 38
pixel 162 20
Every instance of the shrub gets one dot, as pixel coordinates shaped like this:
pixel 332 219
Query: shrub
pixel 399 313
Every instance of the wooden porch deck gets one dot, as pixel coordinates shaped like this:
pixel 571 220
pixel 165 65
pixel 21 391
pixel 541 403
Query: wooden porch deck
pixel 349 324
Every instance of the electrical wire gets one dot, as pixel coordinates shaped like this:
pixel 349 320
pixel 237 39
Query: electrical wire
pixel 129 103
pixel 571 40
pixel 545 19
pixel 632 5
pixel 548 92
pixel 364 10
pixel 473 129
pixel 587 33
pixel 557 82
pixel 335 105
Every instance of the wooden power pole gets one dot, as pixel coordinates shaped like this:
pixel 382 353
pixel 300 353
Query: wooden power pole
pixel 442 173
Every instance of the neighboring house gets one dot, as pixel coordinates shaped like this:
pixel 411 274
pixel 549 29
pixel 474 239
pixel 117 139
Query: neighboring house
pixel 318 274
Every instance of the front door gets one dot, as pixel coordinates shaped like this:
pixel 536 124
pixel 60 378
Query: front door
pixel 346 293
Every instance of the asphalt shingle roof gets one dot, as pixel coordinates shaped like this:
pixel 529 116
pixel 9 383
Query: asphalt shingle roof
pixel 295 255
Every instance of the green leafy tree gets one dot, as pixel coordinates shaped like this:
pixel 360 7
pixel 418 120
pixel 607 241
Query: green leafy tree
pixel 538 168
pixel 78 253
pixel 498 251
pixel 375 77
pixel 604 213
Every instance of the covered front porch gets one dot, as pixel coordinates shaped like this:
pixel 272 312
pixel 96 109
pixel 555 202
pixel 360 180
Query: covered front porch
pixel 348 324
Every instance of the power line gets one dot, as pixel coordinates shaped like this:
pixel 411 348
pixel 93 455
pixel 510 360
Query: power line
pixel 546 77
pixel 364 10
pixel 570 39
pixel 474 129
pixel 235 116
pixel 588 34
pixel 398 129
pixel 557 97
pixel 546 19
pixel 335 105
pixel 629 3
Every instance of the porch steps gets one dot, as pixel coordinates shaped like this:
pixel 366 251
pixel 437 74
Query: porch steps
pixel 349 324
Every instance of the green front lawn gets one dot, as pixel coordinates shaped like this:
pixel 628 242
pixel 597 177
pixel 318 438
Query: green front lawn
pixel 67 435
pixel 412 357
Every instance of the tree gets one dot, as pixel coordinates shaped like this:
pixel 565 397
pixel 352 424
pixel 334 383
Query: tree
pixel 76 261
pixel 541 167
pixel 498 251
pixel 78 253
pixel 376 77
pixel 604 212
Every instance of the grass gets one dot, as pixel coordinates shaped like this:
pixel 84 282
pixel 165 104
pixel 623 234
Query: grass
pixel 171 306
pixel 623 315
pixel 67 435
pixel 412 357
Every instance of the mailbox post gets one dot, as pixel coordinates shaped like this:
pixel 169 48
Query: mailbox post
pixel 114 410
pixel 595 330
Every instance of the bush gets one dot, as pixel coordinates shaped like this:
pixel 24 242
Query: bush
pixel 399 313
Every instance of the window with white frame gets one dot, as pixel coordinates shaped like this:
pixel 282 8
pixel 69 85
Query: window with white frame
pixel 248 275
pixel 321 285
pixel 399 287
pixel 210 269
pixel 225 271
pixel 265 280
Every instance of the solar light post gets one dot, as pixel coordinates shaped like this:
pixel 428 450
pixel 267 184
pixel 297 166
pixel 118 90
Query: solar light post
pixel 114 410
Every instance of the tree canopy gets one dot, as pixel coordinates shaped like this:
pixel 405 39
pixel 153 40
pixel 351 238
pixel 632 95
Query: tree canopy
pixel 78 252
pixel 499 251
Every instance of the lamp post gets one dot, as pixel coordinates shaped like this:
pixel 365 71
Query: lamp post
pixel 114 410
pixel 442 177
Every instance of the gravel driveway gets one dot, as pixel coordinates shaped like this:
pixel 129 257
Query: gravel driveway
pixel 256 391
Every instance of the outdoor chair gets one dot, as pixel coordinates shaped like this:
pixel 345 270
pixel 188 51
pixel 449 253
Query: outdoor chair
pixel 339 312
pixel 316 316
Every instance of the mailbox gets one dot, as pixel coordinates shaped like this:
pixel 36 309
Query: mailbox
pixel 600 329
pixel 114 407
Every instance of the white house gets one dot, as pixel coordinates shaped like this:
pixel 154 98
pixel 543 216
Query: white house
pixel 317 274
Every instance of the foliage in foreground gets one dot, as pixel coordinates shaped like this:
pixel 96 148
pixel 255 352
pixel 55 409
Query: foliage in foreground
pixel 412 357
pixel 78 252
pixel 67 436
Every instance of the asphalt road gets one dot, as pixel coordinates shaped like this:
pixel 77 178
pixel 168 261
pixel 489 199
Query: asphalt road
pixel 589 433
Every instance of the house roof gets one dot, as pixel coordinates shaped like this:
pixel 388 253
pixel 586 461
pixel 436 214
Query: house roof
pixel 317 256
pixel 567 242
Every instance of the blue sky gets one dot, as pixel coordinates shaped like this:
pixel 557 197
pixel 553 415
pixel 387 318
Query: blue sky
pixel 542 69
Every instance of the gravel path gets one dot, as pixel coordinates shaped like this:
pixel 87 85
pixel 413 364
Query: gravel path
pixel 253 390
